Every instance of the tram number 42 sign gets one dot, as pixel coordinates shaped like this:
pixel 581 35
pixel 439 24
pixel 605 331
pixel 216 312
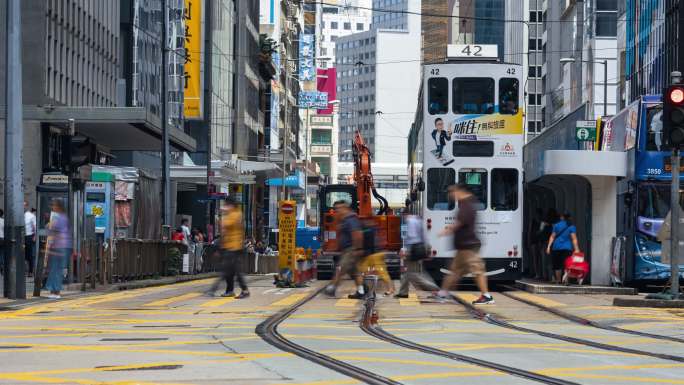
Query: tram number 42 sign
pixel 585 130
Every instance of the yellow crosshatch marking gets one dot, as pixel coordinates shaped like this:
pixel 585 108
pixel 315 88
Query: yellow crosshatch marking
pixel 347 302
pixel 218 302
pixel 537 299
pixel 290 300
pixel 412 300
pixel 168 301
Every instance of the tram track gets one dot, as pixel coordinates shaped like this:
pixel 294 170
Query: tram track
pixel 587 322
pixel 493 320
pixel 369 325
pixel 268 331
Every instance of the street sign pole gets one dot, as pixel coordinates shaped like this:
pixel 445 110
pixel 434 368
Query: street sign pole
pixel 674 217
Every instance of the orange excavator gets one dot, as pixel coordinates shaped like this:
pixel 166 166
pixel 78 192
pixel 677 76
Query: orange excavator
pixel 359 195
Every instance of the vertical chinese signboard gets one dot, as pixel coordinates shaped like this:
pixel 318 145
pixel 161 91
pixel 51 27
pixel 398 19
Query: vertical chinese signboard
pixel 287 226
pixel 307 69
pixel 192 95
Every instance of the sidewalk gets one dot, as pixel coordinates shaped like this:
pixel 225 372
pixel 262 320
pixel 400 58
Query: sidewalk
pixel 74 289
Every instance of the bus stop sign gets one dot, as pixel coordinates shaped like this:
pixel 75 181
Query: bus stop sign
pixel 585 130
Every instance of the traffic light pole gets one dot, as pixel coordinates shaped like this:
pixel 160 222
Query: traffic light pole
pixel 15 281
pixel 675 218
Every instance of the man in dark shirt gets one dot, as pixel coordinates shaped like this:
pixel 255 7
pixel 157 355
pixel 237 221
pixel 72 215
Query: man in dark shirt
pixel 467 244
pixel 349 243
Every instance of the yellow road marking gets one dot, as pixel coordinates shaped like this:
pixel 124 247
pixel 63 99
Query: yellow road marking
pixel 290 300
pixel 537 299
pixel 467 297
pixel 168 301
pixel 647 380
pixel 412 300
pixel 218 302
pixel 347 302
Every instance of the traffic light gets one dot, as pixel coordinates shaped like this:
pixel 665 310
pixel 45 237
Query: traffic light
pixel 78 151
pixel 673 116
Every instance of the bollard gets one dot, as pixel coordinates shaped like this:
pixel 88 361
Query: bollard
pixel 370 282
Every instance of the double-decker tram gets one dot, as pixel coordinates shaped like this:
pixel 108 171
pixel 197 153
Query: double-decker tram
pixel 469 129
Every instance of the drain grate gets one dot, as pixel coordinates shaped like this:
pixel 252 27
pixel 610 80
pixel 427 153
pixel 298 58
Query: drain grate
pixel 157 367
pixel 133 339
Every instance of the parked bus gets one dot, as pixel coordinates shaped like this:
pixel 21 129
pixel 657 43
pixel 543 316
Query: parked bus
pixel 644 195
pixel 468 129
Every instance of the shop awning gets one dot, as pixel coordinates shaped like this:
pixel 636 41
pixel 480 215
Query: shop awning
pixel 117 128
pixel 585 163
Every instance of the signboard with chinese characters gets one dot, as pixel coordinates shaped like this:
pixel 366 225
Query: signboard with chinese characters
pixel 192 95
pixel 313 99
pixel 287 227
pixel 307 69
pixel 321 121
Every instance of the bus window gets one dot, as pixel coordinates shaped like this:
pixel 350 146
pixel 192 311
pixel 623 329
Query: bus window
pixel 504 189
pixel 476 179
pixel 473 95
pixel 438 182
pixel 468 149
pixel 508 96
pixel 438 96
pixel 654 201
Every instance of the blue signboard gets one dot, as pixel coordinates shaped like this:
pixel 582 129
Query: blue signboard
pixel 296 181
pixel 313 99
pixel 307 69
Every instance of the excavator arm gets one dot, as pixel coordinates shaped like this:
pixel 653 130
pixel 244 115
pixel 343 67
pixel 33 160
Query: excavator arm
pixel 363 179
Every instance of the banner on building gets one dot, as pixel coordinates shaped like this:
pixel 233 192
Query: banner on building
pixel 307 69
pixel 192 95
pixel 313 99
pixel 327 82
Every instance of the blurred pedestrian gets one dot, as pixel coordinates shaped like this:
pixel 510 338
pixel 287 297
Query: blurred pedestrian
pixel 372 260
pixel 349 243
pixel 178 235
pixel 413 255
pixel 232 251
pixel 467 244
pixel 58 248
pixel 29 238
pixel 185 227
pixel 562 242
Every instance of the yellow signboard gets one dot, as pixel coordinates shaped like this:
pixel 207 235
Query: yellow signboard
pixel 192 96
pixel 287 226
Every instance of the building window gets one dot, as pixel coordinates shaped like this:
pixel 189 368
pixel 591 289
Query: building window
pixel 534 127
pixel 606 24
pixel 535 44
pixel 333 25
pixel 347 26
pixel 534 71
pixel 359 26
pixel 535 99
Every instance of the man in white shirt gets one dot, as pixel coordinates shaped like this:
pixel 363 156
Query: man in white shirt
pixel 413 254
pixel 185 226
pixel 30 237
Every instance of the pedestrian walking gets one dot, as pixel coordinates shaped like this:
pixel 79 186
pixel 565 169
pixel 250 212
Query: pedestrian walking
pixel 372 260
pixel 414 253
pixel 232 251
pixel 546 228
pixel 29 238
pixel 185 228
pixel 58 248
pixel 467 244
pixel 562 242
pixel 349 243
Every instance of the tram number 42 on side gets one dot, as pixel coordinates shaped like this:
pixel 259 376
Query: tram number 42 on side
pixel 513 265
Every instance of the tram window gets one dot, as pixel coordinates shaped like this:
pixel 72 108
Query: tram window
pixel 654 141
pixel 473 96
pixel 469 149
pixel 438 96
pixel 476 179
pixel 438 182
pixel 504 189
pixel 508 96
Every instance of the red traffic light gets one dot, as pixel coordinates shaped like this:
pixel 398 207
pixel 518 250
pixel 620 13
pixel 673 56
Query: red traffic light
pixel 676 95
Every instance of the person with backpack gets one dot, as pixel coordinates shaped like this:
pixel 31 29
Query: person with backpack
pixel 372 260
pixel 562 242
pixel 415 252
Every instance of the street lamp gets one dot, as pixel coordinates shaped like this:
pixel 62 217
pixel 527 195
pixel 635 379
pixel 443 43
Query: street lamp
pixel 605 78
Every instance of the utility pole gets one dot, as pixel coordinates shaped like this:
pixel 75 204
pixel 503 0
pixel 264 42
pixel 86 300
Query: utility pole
pixel 166 178
pixel 675 210
pixel 285 134
pixel 15 281
pixel 306 169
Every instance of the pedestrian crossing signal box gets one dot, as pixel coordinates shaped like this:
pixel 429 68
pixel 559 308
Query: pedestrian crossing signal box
pixel 287 227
